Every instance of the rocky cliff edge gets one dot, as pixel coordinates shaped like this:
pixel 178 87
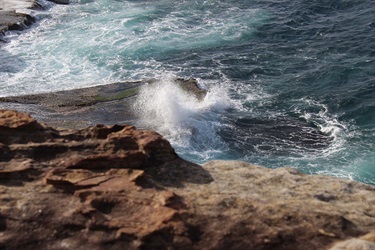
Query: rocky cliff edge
pixel 117 187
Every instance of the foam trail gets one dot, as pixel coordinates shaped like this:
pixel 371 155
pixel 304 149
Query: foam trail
pixel 328 124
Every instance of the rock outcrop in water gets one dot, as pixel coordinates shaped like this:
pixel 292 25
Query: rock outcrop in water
pixel 116 187
pixel 77 108
pixel 11 19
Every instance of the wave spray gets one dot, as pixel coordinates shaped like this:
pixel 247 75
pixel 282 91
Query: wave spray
pixel 188 123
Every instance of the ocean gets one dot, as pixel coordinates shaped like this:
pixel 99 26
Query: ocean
pixel 289 82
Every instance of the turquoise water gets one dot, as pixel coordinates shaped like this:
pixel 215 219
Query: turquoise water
pixel 290 83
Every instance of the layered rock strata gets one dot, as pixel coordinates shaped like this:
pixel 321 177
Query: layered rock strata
pixel 116 187
pixel 81 189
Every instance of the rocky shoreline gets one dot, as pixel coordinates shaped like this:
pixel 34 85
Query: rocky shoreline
pixel 79 108
pixel 116 187
pixel 73 184
pixel 13 18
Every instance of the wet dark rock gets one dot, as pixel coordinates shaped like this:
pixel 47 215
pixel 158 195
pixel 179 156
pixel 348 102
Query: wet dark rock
pixel 11 20
pixel 64 2
pixel 78 108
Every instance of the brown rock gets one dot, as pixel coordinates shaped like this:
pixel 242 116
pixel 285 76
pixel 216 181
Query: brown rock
pixel 99 147
pixel 18 127
pixel 78 189
pixel 13 119
pixel 366 242
pixel 252 207
pixel 116 187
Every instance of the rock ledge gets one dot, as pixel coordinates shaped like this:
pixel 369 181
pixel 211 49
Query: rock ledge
pixel 116 187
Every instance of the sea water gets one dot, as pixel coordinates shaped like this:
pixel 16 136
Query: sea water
pixel 289 83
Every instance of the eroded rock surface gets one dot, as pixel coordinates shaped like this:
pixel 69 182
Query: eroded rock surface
pixel 366 242
pixel 252 207
pixel 85 188
pixel 116 187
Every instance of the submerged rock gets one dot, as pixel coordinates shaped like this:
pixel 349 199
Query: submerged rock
pixel 116 187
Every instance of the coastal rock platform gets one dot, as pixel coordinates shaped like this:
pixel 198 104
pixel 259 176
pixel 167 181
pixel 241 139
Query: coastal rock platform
pixel 117 187
pixel 79 108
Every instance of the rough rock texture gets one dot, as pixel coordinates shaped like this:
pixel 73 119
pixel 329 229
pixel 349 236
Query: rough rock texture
pixel 366 242
pixel 116 187
pixel 251 207
pixel 80 189
pixel 34 145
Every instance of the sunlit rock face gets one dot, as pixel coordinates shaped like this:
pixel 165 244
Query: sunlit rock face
pixel 117 187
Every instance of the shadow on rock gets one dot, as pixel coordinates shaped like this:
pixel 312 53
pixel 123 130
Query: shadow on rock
pixel 178 172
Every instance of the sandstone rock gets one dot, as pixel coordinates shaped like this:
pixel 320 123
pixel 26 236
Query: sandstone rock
pixel 27 144
pixel 354 244
pixel 18 127
pixel 116 187
pixel 65 189
pixel 252 207
pixel 366 242
pixel 369 237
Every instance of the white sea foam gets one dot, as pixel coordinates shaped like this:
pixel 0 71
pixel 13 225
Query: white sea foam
pixel 328 123
pixel 181 117
pixel 95 42
pixel 165 104
pixel 92 42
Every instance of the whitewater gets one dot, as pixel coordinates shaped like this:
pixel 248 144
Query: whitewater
pixel 289 83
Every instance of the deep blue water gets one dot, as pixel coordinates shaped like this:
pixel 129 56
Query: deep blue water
pixel 290 82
